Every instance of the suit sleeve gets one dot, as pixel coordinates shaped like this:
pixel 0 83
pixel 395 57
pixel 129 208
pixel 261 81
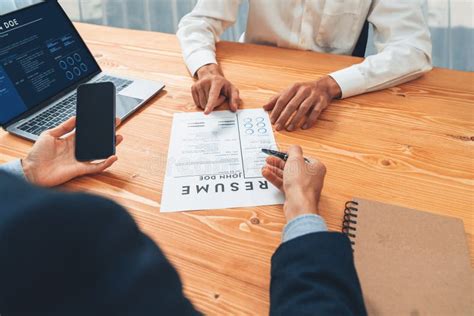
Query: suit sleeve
pixel 76 254
pixel 315 275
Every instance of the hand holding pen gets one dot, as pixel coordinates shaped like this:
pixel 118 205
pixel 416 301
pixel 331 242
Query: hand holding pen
pixel 300 179
pixel 281 155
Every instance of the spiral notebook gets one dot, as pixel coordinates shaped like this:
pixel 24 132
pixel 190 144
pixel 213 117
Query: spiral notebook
pixel 409 262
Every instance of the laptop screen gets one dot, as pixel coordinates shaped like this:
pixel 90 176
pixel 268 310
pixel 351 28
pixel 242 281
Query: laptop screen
pixel 41 55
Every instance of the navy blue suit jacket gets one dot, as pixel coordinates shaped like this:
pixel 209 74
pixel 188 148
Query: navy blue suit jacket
pixel 78 254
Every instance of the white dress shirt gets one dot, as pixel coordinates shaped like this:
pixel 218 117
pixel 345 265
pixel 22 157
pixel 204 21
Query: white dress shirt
pixel 7 6
pixel 401 35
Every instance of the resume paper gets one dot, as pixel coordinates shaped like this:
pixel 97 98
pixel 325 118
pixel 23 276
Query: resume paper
pixel 215 161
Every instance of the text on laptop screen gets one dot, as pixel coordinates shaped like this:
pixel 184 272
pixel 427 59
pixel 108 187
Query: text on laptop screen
pixel 41 55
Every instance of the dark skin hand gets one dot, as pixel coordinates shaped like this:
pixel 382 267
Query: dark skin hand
pixel 302 103
pixel 212 89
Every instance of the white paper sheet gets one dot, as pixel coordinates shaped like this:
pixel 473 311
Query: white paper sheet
pixel 215 161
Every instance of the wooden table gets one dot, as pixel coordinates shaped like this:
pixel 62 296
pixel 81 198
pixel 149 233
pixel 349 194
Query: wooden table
pixel 412 145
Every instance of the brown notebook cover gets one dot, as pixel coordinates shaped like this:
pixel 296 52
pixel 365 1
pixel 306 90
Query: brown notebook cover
pixel 409 262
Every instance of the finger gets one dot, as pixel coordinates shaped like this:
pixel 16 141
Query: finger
pixel 290 108
pixel 195 95
pixel 271 104
pixel 275 170
pixel 206 89
pixel 99 167
pixel 118 121
pixel 275 162
pixel 282 101
pixel 118 139
pixel 295 151
pixel 202 97
pixel 305 107
pixel 295 164
pixel 234 99
pixel 313 117
pixel 63 129
pixel 214 94
pixel 272 178
pixel 220 101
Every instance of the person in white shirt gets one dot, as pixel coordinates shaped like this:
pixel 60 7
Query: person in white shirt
pixel 7 6
pixel 401 38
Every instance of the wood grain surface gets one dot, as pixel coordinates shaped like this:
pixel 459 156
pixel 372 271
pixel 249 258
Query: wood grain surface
pixel 411 145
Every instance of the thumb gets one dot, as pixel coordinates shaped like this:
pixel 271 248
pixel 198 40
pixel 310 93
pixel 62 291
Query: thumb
pixel 63 129
pixel 295 151
pixel 294 166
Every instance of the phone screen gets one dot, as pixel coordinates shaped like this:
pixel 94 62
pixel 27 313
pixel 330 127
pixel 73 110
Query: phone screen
pixel 95 121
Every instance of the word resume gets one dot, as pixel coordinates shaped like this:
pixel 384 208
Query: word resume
pixel 215 161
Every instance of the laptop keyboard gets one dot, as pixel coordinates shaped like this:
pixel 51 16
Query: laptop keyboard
pixel 52 117
pixel 63 110
pixel 119 83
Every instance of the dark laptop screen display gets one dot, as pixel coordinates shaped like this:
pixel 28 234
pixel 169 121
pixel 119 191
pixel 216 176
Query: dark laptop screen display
pixel 41 55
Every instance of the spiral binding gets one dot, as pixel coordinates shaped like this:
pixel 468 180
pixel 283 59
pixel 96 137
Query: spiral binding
pixel 349 222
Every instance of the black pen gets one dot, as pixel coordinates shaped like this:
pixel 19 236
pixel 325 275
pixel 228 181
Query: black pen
pixel 279 154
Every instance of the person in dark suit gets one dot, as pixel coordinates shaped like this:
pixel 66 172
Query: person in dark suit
pixel 79 254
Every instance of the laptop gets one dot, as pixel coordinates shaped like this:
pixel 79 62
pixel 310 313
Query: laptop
pixel 43 60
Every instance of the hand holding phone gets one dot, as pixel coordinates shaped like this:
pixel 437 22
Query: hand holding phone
pixel 52 160
pixel 95 121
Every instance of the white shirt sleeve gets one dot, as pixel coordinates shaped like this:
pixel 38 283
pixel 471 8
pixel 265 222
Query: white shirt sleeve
pixel 403 43
pixel 303 225
pixel 14 168
pixel 199 31
pixel 7 6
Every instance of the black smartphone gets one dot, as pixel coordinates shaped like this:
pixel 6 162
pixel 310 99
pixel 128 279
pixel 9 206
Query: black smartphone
pixel 95 121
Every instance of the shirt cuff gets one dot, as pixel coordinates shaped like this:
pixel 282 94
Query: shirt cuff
pixel 200 58
pixel 14 168
pixel 350 80
pixel 303 225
